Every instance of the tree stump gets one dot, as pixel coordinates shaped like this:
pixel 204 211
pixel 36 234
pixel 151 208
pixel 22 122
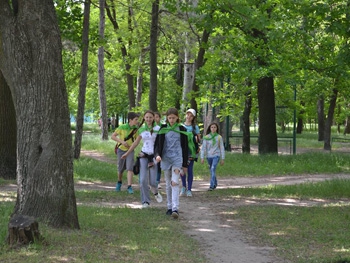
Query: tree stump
pixel 22 230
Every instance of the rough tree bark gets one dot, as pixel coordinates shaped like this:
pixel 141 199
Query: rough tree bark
pixel 7 132
pixel 31 62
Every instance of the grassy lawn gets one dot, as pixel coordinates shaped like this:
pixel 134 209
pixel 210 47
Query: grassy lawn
pixel 301 234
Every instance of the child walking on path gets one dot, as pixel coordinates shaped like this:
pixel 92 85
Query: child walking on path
pixel 191 126
pixel 125 135
pixel 157 121
pixel 171 148
pixel 213 149
pixel 148 167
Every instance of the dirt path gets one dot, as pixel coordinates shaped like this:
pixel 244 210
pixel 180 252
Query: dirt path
pixel 221 240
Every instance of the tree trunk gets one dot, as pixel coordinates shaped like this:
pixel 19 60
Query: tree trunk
pixel 31 62
pixel 189 69
pixel 267 116
pixel 246 123
pixel 126 58
pixel 83 81
pixel 179 78
pixel 101 75
pixel 153 57
pixel 329 120
pixel 23 230
pixel 7 132
pixel 347 125
pixel 200 61
pixel 320 117
pixel 300 123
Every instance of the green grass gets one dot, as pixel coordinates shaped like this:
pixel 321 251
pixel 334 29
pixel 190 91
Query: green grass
pixel 109 235
pixel 260 165
pixel 329 189
pixel 301 234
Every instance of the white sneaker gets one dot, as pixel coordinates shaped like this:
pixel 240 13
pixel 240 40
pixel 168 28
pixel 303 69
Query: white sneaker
pixel 158 197
pixel 183 191
pixel 145 205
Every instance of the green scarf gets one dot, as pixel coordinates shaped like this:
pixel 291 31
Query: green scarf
pixel 145 128
pixel 211 136
pixel 127 127
pixel 169 128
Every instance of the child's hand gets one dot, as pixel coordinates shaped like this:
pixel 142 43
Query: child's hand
pixel 124 156
pixel 202 160
pixel 158 159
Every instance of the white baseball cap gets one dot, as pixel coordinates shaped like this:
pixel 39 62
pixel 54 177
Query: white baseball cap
pixel 192 111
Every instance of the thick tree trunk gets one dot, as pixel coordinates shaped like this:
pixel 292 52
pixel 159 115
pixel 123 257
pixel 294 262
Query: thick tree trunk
pixel 267 116
pixel 329 121
pixel 153 57
pixel 320 118
pixel 31 61
pixel 246 123
pixel 83 81
pixel 7 132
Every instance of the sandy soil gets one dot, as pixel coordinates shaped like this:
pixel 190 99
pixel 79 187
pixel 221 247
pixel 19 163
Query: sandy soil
pixel 221 240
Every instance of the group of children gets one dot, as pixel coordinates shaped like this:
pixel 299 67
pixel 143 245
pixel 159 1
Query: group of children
pixel 171 147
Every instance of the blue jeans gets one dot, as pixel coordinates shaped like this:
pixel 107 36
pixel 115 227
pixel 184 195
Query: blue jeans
pixel 189 176
pixel 213 163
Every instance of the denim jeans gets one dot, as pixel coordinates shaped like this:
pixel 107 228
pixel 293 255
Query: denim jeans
pixel 213 163
pixel 189 176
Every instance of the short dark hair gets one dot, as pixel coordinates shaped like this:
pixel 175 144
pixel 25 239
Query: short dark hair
pixel 132 115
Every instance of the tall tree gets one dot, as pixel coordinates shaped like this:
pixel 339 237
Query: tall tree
pixel 31 62
pixel 101 73
pixel 83 81
pixel 7 132
pixel 153 57
pixel 127 58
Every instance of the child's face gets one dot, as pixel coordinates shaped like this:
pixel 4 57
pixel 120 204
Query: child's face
pixel 213 128
pixel 149 118
pixel 157 118
pixel 172 119
pixel 134 121
pixel 189 117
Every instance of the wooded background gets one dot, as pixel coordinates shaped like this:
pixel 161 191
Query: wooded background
pixel 233 61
